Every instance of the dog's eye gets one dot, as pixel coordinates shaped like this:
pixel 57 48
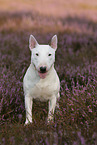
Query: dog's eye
pixel 49 54
pixel 37 54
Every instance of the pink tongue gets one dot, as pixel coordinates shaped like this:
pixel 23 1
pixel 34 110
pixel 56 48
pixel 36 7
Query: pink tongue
pixel 42 75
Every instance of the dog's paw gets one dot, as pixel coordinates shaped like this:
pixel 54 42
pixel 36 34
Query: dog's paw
pixel 28 122
pixel 50 120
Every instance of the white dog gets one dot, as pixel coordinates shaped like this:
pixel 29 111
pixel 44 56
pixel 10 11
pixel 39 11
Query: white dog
pixel 41 80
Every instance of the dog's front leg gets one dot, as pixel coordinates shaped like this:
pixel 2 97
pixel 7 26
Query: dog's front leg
pixel 28 107
pixel 52 105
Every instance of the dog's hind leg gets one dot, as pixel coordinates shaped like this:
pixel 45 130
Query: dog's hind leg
pixel 58 97
pixel 28 107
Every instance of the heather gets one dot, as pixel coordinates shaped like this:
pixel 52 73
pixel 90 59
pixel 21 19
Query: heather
pixel 76 63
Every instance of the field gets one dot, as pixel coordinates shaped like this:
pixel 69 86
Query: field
pixel 75 23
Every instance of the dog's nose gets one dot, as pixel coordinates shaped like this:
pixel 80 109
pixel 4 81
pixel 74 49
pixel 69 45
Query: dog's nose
pixel 43 69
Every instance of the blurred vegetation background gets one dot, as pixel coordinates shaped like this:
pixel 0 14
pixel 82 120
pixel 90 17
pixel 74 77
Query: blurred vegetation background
pixel 47 15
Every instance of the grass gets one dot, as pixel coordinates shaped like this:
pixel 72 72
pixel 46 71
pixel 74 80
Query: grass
pixel 76 64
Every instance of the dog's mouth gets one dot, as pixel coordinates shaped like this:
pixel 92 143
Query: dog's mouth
pixel 42 74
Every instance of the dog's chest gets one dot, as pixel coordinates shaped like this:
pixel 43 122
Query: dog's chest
pixel 43 90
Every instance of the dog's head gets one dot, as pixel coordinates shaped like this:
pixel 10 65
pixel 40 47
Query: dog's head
pixel 42 56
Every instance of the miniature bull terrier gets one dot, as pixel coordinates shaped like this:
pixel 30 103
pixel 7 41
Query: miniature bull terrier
pixel 41 80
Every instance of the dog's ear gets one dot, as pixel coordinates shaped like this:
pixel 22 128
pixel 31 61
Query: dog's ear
pixel 54 42
pixel 32 42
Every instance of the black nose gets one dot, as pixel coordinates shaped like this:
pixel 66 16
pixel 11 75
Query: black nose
pixel 43 69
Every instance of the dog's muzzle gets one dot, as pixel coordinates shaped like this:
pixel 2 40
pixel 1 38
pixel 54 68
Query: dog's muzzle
pixel 43 72
pixel 43 69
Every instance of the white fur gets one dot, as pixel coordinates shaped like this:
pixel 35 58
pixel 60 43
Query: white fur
pixel 34 86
